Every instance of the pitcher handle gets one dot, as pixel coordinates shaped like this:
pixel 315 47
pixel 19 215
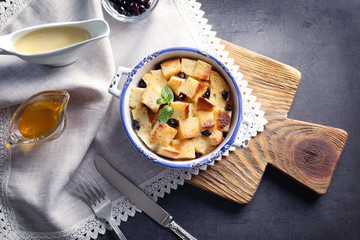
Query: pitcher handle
pixel 115 82
pixel 239 140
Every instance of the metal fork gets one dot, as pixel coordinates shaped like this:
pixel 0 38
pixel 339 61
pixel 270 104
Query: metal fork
pixel 96 199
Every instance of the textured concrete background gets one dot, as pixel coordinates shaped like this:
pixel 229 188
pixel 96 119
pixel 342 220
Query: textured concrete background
pixel 320 38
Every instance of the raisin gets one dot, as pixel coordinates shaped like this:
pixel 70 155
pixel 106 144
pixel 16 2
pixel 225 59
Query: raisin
pixel 206 133
pixel 181 75
pixel 206 94
pixel 136 124
pixel 173 123
pixel 224 134
pixel 225 95
pixel 142 84
pixel 181 97
pixel 197 154
pixel 228 107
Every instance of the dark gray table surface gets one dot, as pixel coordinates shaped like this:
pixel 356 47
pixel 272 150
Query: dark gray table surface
pixel 320 38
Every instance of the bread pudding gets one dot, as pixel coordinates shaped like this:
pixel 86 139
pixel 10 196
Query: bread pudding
pixel 182 109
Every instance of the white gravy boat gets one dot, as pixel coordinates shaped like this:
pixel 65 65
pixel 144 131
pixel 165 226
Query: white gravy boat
pixel 97 28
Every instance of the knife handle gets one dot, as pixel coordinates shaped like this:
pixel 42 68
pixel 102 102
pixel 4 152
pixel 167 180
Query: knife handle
pixel 180 231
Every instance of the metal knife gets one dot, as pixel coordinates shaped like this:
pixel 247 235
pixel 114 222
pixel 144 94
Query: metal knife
pixel 139 198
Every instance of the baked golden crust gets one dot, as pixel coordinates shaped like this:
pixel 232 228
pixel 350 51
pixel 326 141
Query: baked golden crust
pixel 203 104
pixel 222 119
pixel 171 67
pixel 181 110
pixel 163 134
pixel 149 97
pixel 193 88
pixel 188 128
pixel 202 70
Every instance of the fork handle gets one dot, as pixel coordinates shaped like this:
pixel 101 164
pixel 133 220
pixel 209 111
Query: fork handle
pixel 182 233
pixel 117 229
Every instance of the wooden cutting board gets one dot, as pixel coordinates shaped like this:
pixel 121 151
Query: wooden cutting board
pixel 306 152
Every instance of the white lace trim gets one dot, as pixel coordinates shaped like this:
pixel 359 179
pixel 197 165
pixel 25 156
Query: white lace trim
pixel 155 187
pixel 9 9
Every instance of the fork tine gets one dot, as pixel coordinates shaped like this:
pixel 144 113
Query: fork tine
pixel 86 188
pixel 80 186
pixel 95 186
pixel 90 188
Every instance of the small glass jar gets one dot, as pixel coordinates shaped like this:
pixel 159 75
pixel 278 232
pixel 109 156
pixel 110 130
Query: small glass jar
pixel 109 6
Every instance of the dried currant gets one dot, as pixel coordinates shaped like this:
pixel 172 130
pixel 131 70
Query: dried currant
pixel 225 94
pixel 206 94
pixel 181 75
pixel 142 84
pixel 228 107
pixel 206 133
pixel 173 123
pixel 136 124
pixel 181 97
pixel 197 154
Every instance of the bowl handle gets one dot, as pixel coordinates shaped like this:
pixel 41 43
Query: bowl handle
pixel 240 142
pixel 115 82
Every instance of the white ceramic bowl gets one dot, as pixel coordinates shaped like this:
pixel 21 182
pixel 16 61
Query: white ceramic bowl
pixel 148 63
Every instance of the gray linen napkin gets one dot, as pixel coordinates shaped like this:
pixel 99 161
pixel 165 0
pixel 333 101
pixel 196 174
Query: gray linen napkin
pixel 39 190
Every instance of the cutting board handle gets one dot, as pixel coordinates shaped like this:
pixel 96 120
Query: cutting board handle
pixel 306 152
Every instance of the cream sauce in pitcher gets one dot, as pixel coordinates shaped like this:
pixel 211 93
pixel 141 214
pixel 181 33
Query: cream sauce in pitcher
pixel 47 39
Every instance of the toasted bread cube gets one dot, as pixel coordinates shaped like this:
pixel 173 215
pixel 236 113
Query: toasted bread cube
pixel 142 117
pixel 226 129
pixel 193 88
pixel 153 117
pixel 135 96
pixel 206 120
pixel 202 70
pixel 218 85
pixel 163 133
pixel 222 118
pixel 217 82
pixel 203 104
pixel 171 67
pixel 186 148
pixel 181 110
pixel 192 110
pixel 175 83
pixel 155 77
pixel 188 66
pixel 146 138
pixel 206 83
pixel 201 144
pixel 188 128
pixel 216 137
pixel 149 97
pixel 168 151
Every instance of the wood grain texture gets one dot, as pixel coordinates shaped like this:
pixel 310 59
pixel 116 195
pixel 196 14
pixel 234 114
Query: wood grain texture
pixel 306 152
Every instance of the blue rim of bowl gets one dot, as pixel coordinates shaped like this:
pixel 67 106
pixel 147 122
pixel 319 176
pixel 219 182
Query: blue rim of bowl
pixel 185 164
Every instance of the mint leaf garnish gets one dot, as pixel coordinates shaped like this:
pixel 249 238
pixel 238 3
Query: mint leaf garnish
pixel 165 114
pixel 160 101
pixel 167 94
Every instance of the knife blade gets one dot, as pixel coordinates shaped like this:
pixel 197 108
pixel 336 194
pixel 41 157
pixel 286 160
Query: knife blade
pixel 138 197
